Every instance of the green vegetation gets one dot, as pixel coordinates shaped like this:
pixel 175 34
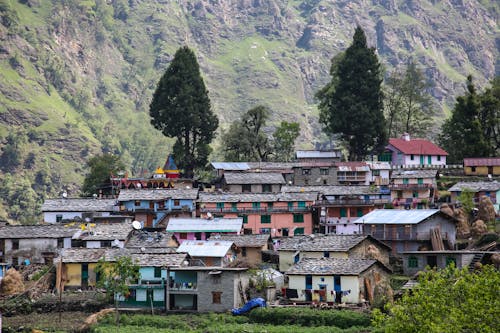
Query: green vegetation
pixel 449 300
pixel 259 320
pixel 101 167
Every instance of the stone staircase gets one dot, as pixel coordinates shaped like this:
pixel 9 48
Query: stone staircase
pixel 477 258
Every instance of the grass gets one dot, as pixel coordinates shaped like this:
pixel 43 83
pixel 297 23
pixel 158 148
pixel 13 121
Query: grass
pixel 48 322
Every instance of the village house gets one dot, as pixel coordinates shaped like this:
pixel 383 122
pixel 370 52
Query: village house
pixel 77 209
pixel 219 168
pixel 353 173
pixel 201 229
pixel 410 230
pixel 210 253
pixel 482 166
pixel 413 153
pixel 206 289
pixel 314 173
pixel 155 206
pixel 278 214
pixel 380 173
pixel 416 261
pixel 22 244
pixel 413 189
pixel 491 189
pixel 252 182
pixel 350 280
pixel 291 250
pixel 249 247
pixel 94 235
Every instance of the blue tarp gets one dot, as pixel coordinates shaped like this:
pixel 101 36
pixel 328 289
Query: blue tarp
pixel 253 303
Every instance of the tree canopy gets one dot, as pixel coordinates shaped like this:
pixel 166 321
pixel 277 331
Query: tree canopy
pixel 284 140
pixel 101 168
pixel 449 300
pixel 351 105
pixel 407 102
pixel 473 130
pixel 181 109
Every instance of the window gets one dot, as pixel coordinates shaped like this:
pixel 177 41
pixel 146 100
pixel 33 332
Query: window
pixel 420 181
pixel 412 157
pixel 270 205
pixel 245 218
pixel 246 188
pixel 359 212
pixel 439 157
pixel 376 172
pixel 326 254
pixel 177 202
pixel 413 262
pixel 265 219
pixel 220 205
pixel 256 205
pixel 298 218
pixel 183 235
pixel 301 204
pixel 451 260
pixel 290 205
pixel 265 230
pixel 137 203
pixel 161 205
pixel 267 188
pixel 473 168
pixel 343 212
pixel 306 172
pixel 58 218
pixel 234 206
pixel 415 194
pixel 216 297
pixel 106 243
pixel 243 251
pixel 323 172
pixel 157 272
pixel 284 232
pixel 247 231
pixel 298 231
pixel 405 181
pixel 15 244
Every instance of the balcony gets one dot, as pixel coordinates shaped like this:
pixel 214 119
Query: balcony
pixel 351 178
pixel 392 235
pixel 348 202
pixel 262 210
pixel 410 186
pixel 410 201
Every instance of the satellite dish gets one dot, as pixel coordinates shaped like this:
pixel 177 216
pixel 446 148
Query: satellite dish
pixel 209 215
pixel 137 225
pixel 65 194
pixel 116 243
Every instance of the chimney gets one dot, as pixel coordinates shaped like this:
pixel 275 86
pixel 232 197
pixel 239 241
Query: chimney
pixel 405 137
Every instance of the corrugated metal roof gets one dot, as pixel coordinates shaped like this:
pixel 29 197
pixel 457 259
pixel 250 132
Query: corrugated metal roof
pixel 205 248
pixel 204 225
pixel 316 154
pixel 483 161
pixel 78 205
pixel 330 266
pixel 397 216
pixel 235 166
pixel 254 178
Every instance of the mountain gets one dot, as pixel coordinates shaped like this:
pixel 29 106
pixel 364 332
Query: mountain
pixel 76 76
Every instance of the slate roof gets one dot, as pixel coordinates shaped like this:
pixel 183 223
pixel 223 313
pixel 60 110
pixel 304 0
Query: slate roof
pixel 78 205
pixel 332 189
pixel 424 173
pixel 205 225
pixel 196 248
pixel 257 197
pixel 149 239
pixel 253 178
pixel 417 147
pixel 330 266
pixel 320 242
pixel 157 194
pixel 110 231
pixel 475 186
pixel 482 161
pixel 398 216
pixel 255 240
pixel 84 255
pixel 37 231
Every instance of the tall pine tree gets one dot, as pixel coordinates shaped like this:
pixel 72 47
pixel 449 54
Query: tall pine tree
pixel 181 109
pixel 462 134
pixel 351 104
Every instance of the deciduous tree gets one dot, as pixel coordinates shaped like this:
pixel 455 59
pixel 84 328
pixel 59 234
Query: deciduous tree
pixel 181 109
pixel 101 168
pixel 352 103
pixel 284 140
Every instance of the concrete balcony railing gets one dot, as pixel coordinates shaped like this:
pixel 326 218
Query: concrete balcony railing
pixel 410 186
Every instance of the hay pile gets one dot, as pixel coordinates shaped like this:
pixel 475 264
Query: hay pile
pixel 12 283
pixel 479 228
pixel 486 210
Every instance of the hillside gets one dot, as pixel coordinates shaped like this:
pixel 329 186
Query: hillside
pixel 76 77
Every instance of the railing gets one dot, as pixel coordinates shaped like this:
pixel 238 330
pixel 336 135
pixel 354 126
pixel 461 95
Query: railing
pixel 336 220
pixel 349 202
pixel 257 210
pixel 396 235
pixel 342 178
pixel 182 286
pixel 410 186
pixel 427 166
pixel 409 201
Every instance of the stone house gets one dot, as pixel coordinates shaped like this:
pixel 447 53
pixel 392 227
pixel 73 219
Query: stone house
pixel 291 250
pixel 324 156
pixel 252 182
pixel 413 188
pixel 249 247
pixel 336 280
pixel 77 209
pixel 101 235
pixel 482 166
pixel 314 173
pixel 353 173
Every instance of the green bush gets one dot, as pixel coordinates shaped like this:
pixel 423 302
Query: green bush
pixel 309 317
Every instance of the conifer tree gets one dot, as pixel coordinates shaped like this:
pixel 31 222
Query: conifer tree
pixel 351 104
pixel 181 109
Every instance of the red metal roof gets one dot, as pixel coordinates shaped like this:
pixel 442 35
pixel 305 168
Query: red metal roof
pixel 417 147
pixel 482 161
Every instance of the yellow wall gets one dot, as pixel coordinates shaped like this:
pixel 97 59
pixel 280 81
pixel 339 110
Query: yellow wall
pixel 483 171
pixel 73 275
